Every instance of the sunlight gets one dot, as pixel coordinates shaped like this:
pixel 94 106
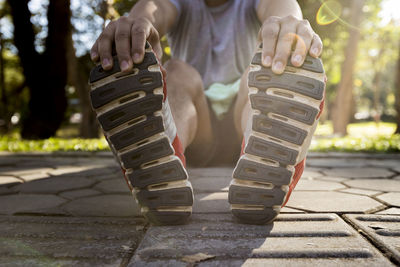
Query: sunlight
pixel 390 11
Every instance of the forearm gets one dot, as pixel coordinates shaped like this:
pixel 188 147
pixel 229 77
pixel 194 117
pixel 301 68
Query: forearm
pixel 279 8
pixel 161 13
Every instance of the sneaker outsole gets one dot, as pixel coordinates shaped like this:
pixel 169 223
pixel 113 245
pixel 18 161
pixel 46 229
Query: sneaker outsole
pixel 285 111
pixel 129 110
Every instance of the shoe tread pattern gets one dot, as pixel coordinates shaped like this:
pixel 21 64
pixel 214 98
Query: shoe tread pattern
pixel 260 203
pixel 139 144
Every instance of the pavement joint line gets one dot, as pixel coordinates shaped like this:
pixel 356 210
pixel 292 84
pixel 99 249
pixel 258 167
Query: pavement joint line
pixel 371 240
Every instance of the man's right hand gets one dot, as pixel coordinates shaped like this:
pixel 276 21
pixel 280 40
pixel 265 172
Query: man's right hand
pixel 130 36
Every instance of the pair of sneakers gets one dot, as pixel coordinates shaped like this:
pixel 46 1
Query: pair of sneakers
pixel 133 111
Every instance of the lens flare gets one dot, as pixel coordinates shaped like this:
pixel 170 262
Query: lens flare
pixel 329 12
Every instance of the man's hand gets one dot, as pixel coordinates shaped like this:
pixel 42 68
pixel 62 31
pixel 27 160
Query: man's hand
pixel 130 36
pixel 279 35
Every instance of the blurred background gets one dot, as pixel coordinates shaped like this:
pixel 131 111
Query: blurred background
pixel 44 67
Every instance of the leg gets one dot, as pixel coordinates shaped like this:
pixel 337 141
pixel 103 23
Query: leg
pixel 188 104
pixel 242 110
pixel 190 110
pixel 277 119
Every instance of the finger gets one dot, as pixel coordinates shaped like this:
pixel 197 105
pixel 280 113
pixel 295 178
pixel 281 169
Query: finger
pixel 303 42
pixel 94 53
pixel 123 43
pixel 105 42
pixel 284 45
pixel 316 46
pixel 154 40
pixel 139 35
pixel 269 35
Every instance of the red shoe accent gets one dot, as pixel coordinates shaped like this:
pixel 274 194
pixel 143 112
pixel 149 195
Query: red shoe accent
pixel 321 108
pixel 126 179
pixel 298 171
pixel 179 150
pixel 243 145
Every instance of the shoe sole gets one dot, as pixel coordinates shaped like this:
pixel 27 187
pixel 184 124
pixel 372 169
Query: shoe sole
pixel 129 110
pixel 284 116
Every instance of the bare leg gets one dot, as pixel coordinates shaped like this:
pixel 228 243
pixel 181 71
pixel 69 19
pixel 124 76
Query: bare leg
pixel 242 106
pixel 188 105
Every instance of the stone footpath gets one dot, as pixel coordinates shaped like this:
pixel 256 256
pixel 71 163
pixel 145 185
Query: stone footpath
pixel 75 209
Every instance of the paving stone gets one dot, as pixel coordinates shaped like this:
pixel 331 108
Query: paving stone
pixel 66 241
pixel 210 184
pixel 117 186
pixel 332 202
pixel 290 210
pixel 25 203
pixel 309 238
pixel 336 163
pixel 8 180
pixel 74 194
pixel 392 199
pixel 21 172
pixel 54 185
pixel 305 184
pixel 359 172
pixel 309 173
pixel 211 172
pixel 391 211
pixel 70 169
pixel 387 185
pixel 104 205
pixel 33 176
pixel 332 179
pixel 211 203
pixel 384 230
pixel 6 190
pixel 386 163
pixel 396 169
pixel 360 191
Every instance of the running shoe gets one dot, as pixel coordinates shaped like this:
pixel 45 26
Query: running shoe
pixel 133 111
pixel 285 110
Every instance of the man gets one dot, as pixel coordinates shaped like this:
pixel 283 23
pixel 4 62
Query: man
pixel 273 110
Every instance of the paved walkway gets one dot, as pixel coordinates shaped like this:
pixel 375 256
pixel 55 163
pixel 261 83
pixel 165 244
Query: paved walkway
pixel 75 209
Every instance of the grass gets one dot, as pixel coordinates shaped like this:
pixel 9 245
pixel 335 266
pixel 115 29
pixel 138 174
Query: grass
pixel 362 137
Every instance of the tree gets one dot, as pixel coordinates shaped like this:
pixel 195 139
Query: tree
pixel 45 73
pixel 397 93
pixel 344 99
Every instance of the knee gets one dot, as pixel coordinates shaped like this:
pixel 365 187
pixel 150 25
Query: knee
pixel 179 72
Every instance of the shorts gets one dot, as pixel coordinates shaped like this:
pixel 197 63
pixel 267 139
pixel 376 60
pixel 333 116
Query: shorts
pixel 225 149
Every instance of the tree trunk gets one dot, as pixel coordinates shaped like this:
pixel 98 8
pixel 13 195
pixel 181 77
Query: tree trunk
pixel 341 112
pixel 3 109
pixel 78 76
pixel 397 93
pixel 45 74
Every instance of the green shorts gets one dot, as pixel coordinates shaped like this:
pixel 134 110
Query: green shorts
pixel 221 96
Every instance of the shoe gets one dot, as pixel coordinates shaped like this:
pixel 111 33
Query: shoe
pixel 285 110
pixel 133 111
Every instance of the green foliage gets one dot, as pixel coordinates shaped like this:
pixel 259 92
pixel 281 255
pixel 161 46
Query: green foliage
pixel 386 144
pixel 15 144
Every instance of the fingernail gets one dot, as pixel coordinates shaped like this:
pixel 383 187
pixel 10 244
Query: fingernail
pixel 106 62
pixel 267 61
pixel 124 65
pixel 93 55
pixel 315 51
pixel 297 59
pixel 136 58
pixel 278 66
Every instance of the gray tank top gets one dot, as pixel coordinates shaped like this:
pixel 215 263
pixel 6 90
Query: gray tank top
pixel 217 41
